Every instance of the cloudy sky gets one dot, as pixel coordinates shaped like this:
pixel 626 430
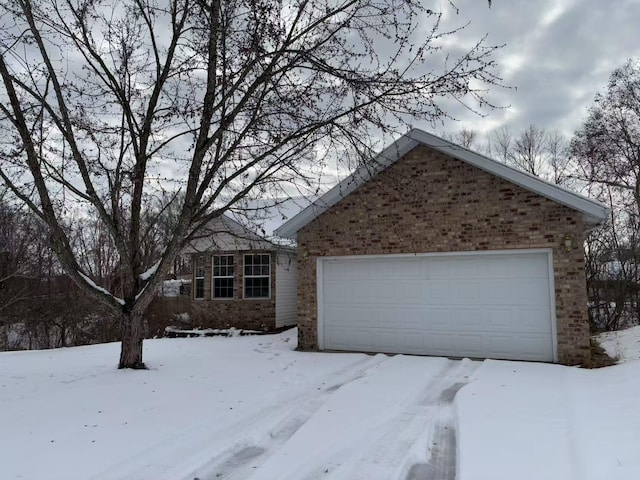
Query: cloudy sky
pixel 558 55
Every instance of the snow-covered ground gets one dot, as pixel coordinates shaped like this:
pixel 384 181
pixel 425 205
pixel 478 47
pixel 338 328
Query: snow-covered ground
pixel 253 408
pixel 624 345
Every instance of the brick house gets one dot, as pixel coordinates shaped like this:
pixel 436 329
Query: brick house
pixel 241 280
pixel 439 250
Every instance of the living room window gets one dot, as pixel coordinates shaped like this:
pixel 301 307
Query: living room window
pixel 222 276
pixel 198 275
pixel 257 275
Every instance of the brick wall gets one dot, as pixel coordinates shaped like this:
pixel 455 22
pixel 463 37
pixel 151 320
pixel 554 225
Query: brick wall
pixel 253 314
pixel 429 202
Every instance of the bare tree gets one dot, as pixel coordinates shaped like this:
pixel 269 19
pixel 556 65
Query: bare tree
pixel 19 251
pixel 607 146
pixel 529 150
pixel 559 158
pixel 534 150
pixel 500 144
pixel 465 137
pixel 108 104
pixel 606 150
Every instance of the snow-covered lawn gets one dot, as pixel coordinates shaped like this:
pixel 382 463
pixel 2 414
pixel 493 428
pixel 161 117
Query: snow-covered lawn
pixel 624 345
pixel 253 408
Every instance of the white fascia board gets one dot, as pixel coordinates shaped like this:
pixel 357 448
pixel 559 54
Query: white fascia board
pixel 594 212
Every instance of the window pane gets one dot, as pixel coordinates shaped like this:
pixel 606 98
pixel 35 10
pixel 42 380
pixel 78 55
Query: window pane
pixel 223 288
pixel 199 293
pixel 223 276
pixel 223 266
pixel 199 270
pixel 256 287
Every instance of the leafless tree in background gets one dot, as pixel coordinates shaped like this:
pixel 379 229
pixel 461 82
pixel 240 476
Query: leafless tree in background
pixel 529 150
pixel 606 150
pixel 465 137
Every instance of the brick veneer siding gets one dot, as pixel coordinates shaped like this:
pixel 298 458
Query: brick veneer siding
pixel 253 314
pixel 430 202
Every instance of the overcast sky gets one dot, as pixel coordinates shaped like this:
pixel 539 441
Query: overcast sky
pixel 558 55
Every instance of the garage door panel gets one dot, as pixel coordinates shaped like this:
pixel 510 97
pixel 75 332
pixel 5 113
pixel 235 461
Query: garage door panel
pixel 472 345
pixel 344 316
pixel 337 292
pixel 404 291
pixel 496 291
pixel 407 270
pixel 525 268
pixel 437 292
pixel 497 268
pixel 349 339
pixel 437 318
pixel 499 319
pixel 465 292
pixel 501 344
pixel 462 268
pixel 531 320
pixel 535 346
pixel 408 318
pixel 437 269
pixel 483 305
pixel 465 319
pixel 393 340
pixel 529 292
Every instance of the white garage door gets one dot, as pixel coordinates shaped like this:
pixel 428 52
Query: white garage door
pixel 494 305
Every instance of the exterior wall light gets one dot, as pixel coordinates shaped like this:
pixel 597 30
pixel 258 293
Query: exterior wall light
pixel 568 242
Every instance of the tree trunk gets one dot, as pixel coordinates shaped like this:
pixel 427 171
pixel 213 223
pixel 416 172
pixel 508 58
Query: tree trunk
pixel 132 335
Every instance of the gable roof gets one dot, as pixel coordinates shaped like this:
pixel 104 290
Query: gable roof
pixel 226 234
pixel 594 213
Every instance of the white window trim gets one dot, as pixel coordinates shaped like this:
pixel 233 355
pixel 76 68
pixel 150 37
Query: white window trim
pixel 196 278
pixel 244 277
pixel 213 277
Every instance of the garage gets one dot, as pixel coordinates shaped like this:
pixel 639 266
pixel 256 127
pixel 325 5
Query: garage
pixel 433 249
pixel 478 305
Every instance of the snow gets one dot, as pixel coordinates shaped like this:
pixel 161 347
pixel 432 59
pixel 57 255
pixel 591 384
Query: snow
pixel 149 273
pixel 171 288
pixel 251 407
pixel 624 344
pixel 95 286
pixel 208 332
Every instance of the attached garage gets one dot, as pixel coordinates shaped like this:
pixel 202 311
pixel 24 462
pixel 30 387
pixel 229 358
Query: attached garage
pixel 487 305
pixel 433 249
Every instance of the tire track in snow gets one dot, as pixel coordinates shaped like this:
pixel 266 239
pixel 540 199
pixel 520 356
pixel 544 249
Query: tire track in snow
pixel 419 442
pixel 180 455
pixel 340 440
pixel 249 451
pixel 441 433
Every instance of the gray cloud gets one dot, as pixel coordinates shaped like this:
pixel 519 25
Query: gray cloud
pixel 558 55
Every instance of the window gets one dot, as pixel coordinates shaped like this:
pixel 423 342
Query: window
pixel 257 276
pixel 198 274
pixel 223 276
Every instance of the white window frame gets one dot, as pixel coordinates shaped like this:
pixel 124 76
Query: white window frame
pixel 196 277
pixel 214 276
pixel 245 276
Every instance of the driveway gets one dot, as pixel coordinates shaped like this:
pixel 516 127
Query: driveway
pixel 379 420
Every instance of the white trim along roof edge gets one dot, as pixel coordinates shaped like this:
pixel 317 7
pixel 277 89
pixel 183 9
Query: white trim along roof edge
pixel 594 212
